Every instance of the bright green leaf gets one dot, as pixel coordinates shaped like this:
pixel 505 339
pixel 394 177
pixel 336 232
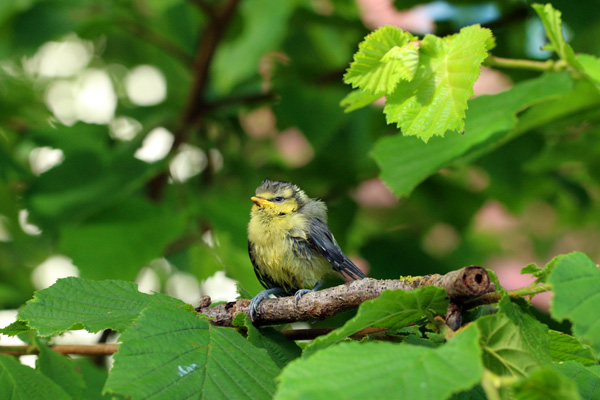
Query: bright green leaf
pixel 591 65
pixel 357 99
pixel 541 274
pixel 587 379
pixel 436 99
pixel 546 384
pixel 280 349
pixel 534 334
pixel 565 347
pixel 405 162
pixel 378 370
pixel 392 309
pixel 61 370
pixel 384 58
pixel 19 382
pixel 94 305
pixel 504 350
pixel 575 283
pixel 173 353
pixel 551 18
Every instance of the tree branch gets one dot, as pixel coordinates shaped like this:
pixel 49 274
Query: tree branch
pixel 137 29
pixel 87 349
pixel 461 285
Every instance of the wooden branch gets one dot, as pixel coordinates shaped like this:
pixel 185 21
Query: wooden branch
pixel 461 285
pixel 110 349
pixel 88 349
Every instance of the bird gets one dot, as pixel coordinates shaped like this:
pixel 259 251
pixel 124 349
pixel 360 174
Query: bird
pixel 290 244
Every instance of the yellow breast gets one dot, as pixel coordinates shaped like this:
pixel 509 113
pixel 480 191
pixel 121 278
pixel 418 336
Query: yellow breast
pixel 273 242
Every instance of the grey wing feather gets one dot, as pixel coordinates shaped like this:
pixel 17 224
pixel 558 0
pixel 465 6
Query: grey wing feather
pixel 322 239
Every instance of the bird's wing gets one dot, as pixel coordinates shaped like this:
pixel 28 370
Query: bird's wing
pixel 323 241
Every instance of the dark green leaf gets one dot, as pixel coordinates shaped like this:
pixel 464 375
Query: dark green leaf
pixel 565 347
pixel 576 286
pixel 378 370
pixel 546 384
pixel 587 379
pixel 19 382
pixel 280 349
pixel 392 309
pixel 74 303
pixel 504 350
pixel 61 370
pixel 173 353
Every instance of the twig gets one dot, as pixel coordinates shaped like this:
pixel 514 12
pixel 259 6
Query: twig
pixel 195 105
pixel 491 298
pixel 461 285
pixel 88 349
pixel 110 349
pixel 141 31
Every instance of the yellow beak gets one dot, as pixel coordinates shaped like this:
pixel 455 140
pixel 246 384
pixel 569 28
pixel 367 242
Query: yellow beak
pixel 259 201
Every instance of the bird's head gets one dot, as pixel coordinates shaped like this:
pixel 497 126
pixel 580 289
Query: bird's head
pixel 277 199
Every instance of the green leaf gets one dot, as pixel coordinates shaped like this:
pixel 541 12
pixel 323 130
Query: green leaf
pixel 94 378
pixel 392 309
pixel 19 382
pixel 591 65
pixel 541 274
pixel 587 379
pixel 376 370
pixel 546 384
pixel 357 99
pixel 61 370
pixel 436 99
pixel 173 353
pixel 74 303
pixel 406 162
pixel 534 334
pixel 384 58
pixel 280 349
pixel 565 347
pixel 504 350
pixel 15 328
pixel 552 23
pixel 575 283
pixel 121 239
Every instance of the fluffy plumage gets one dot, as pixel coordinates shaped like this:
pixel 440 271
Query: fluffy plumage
pixel 290 244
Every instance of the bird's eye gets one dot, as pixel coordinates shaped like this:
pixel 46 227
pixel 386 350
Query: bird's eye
pixel 278 199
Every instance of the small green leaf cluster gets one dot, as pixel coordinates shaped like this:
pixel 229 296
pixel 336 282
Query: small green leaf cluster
pixel 168 351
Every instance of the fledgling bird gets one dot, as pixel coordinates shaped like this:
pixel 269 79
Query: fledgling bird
pixel 290 244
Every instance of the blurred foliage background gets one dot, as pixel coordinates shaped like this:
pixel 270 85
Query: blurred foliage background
pixel 133 133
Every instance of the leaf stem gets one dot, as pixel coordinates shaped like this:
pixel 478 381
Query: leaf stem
pixel 490 384
pixel 530 290
pixel 511 63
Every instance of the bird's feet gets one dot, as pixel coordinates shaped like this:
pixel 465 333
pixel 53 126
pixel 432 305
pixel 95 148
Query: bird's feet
pixel 260 297
pixel 302 292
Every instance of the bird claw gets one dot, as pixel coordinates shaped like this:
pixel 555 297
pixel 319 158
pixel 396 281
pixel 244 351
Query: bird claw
pixel 255 302
pixel 260 297
pixel 301 293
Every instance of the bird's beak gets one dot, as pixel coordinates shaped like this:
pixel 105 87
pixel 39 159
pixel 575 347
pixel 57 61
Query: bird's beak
pixel 264 203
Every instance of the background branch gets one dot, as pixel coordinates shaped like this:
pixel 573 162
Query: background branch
pixel 461 285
